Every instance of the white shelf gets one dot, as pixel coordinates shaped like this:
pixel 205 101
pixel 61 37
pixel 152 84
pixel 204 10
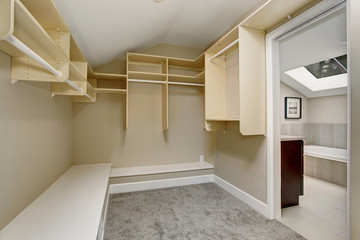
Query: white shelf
pixel 69 209
pixel 156 169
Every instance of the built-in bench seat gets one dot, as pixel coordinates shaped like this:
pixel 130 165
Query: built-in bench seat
pixel 70 209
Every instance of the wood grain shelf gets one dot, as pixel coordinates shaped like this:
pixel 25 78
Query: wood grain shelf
pixel 110 90
pixel 146 76
pixel 145 58
pixel 198 63
pixel 28 30
pixel 200 78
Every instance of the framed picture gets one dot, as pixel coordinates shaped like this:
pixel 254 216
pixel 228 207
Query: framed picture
pixel 292 107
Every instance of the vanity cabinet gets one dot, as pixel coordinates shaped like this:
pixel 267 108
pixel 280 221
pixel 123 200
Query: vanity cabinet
pixel 292 172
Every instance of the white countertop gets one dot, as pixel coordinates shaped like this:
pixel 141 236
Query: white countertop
pixel 69 209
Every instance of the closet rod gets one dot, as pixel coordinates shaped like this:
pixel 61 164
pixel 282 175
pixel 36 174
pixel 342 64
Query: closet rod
pixel 89 97
pixel 188 84
pixel 73 85
pixel 25 49
pixel 146 81
pixel 33 55
pixel 224 49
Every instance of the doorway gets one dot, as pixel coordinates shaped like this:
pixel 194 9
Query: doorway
pixel 314 16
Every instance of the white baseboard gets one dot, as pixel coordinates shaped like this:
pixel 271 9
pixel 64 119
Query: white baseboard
pixel 156 184
pixel 175 182
pixel 243 196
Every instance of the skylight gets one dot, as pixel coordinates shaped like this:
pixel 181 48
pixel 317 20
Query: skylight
pixel 324 75
pixel 329 67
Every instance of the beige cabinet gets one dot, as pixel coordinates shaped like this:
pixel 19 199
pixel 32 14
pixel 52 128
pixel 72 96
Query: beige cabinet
pixel 235 82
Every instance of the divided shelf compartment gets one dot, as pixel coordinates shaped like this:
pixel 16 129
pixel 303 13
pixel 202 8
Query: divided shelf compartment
pixel 147 67
pixel 186 70
pixel 111 83
pixel 222 82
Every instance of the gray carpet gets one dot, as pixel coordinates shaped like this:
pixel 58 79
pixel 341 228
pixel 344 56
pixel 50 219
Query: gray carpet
pixel 203 211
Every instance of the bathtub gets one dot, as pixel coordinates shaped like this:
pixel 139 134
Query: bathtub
pixel 335 154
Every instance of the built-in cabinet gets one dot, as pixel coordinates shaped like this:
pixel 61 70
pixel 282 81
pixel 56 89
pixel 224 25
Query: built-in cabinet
pixel 232 69
pixel 235 82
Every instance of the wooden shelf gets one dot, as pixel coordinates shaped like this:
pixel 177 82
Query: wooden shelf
pixel 90 72
pixel 31 33
pixel 145 58
pixel 200 78
pixel 223 120
pixel 158 169
pixel 146 76
pixel 111 90
pixel 198 63
pixel 110 76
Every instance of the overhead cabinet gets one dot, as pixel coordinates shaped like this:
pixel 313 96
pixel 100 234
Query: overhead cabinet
pixel 235 82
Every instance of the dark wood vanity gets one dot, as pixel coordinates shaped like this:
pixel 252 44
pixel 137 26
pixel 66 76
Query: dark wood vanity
pixel 292 170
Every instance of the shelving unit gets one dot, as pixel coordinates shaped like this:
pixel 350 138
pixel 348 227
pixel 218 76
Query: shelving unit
pixel 144 68
pixel 235 82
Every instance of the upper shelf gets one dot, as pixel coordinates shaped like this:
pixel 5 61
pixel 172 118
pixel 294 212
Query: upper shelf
pixel 188 63
pixel 200 78
pixel 30 32
pixel 145 58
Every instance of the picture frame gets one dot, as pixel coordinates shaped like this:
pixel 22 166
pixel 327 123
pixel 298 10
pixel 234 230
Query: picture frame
pixel 293 108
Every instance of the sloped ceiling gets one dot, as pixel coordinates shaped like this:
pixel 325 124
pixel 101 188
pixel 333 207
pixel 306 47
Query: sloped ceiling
pixel 105 30
pixel 320 41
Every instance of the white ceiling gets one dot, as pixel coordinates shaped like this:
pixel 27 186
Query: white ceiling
pixel 320 41
pixel 105 30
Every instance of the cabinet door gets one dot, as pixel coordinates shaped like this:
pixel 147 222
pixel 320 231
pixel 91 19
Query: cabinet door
pixel 291 172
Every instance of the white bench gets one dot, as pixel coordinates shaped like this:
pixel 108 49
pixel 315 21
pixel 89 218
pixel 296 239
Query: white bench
pixel 70 209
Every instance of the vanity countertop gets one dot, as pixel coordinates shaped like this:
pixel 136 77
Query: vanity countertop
pixel 292 138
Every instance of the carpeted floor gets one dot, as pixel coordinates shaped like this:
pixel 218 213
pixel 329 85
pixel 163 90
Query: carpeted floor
pixel 203 211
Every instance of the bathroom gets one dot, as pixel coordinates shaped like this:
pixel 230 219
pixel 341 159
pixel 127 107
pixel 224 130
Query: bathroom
pixel 314 106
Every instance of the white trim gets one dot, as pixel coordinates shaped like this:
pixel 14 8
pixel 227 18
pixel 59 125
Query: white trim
pixel 243 196
pixel 273 106
pixel 101 231
pixel 348 18
pixel 163 183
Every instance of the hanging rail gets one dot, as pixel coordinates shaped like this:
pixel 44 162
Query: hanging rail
pixel 33 55
pixel 223 50
pixel 146 81
pixel 188 84
pixel 89 97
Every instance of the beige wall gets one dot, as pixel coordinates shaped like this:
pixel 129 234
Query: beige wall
pixel 330 109
pixel 241 161
pixel 354 39
pixel 173 51
pixel 99 134
pixel 286 91
pixel 35 141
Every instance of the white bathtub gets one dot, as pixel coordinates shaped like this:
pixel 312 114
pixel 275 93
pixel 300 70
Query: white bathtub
pixel 335 154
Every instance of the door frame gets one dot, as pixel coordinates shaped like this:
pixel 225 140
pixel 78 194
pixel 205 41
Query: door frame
pixel 315 13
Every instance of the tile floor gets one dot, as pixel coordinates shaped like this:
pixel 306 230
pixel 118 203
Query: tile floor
pixel 321 213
